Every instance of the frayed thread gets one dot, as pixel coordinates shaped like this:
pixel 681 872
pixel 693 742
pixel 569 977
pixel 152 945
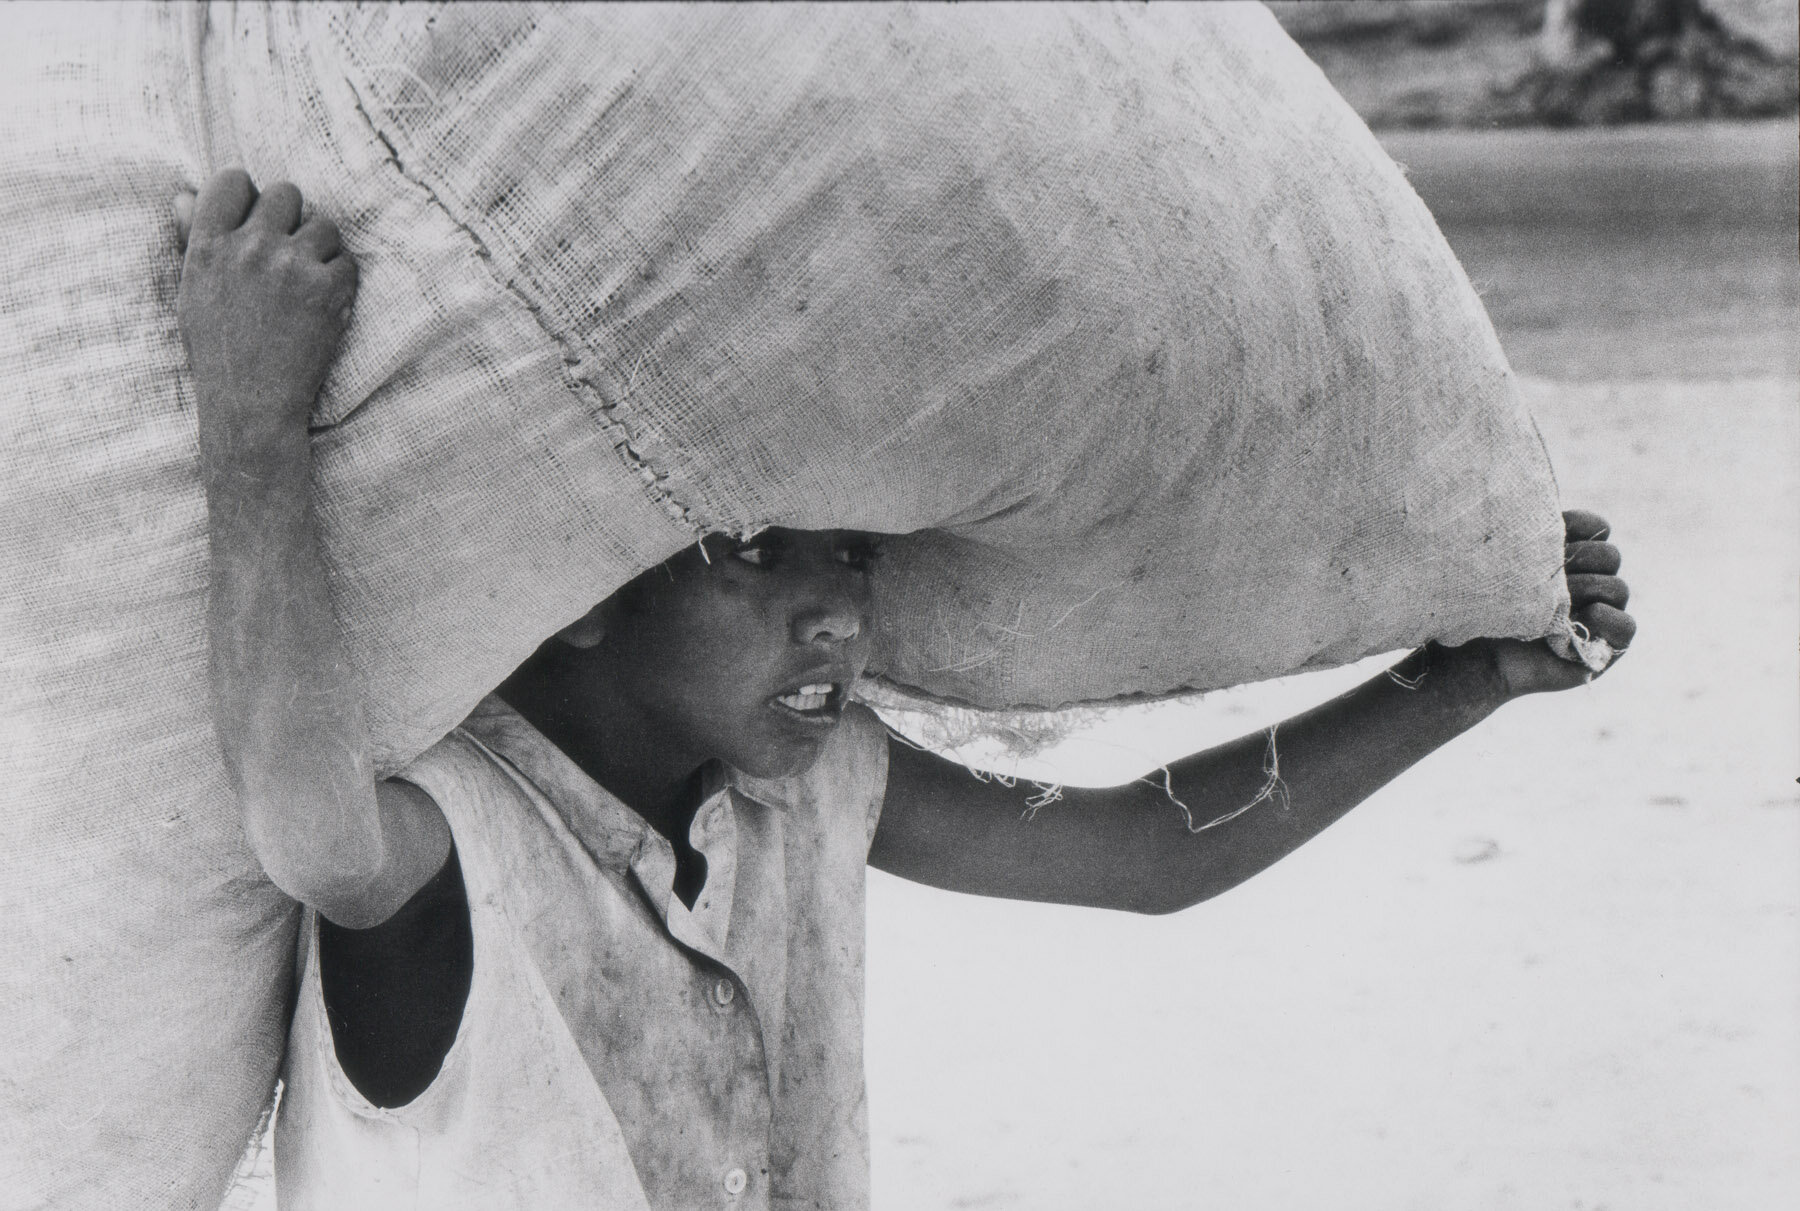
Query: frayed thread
pixel 1047 793
pixel 908 741
pixel 1274 790
pixel 408 77
pixel 1404 682
pixel 1578 645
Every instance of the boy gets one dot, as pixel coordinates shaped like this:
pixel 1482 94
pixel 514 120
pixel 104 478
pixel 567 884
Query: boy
pixel 602 944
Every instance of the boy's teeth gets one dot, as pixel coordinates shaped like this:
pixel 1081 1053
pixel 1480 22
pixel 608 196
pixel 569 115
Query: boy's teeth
pixel 807 698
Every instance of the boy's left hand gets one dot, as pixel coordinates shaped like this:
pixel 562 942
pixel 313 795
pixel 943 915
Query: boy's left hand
pixel 1597 602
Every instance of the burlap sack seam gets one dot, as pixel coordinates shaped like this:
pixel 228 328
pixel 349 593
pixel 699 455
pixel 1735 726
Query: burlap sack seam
pixel 609 416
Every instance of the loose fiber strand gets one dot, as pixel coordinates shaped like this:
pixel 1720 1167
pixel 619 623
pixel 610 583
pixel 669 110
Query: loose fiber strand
pixel 1274 790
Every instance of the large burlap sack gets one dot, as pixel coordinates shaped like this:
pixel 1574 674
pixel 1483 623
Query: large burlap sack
pixel 1119 315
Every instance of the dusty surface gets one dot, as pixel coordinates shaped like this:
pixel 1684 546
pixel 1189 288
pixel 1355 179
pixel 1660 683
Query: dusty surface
pixel 1557 965
pixel 1633 253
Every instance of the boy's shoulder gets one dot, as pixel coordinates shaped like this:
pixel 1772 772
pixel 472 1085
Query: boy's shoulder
pixel 494 772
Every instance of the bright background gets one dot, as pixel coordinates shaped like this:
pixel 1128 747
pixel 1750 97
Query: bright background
pixel 1557 964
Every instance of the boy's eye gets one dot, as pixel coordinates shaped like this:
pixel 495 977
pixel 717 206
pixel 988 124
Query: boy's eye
pixel 757 552
pixel 859 555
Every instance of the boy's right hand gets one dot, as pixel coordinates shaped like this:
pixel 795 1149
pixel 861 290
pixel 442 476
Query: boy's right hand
pixel 263 303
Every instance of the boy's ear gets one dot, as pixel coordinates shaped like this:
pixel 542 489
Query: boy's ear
pixel 587 631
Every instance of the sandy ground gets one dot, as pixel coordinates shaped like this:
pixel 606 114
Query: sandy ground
pixel 1557 965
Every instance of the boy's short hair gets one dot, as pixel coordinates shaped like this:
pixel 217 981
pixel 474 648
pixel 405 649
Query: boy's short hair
pixel 631 599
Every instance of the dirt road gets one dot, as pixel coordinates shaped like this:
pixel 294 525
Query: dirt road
pixel 1636 253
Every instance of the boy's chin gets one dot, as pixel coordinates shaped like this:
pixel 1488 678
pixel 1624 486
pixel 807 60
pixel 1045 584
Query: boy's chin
pixel 787 759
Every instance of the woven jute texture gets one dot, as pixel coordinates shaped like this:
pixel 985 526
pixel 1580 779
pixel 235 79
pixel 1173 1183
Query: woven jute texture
pixel 1117 315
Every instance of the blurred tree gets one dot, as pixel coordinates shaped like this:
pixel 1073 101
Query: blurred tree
pixel 1628 25
pixel 1603 61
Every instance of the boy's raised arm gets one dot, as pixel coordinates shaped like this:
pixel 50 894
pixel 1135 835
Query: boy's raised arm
pixel 1145 846
pixel 263 302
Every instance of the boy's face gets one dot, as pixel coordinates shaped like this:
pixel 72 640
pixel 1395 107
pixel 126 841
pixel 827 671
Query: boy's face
pixel 746 654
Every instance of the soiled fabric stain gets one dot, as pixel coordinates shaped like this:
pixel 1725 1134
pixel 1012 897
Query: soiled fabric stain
pixel 618 1048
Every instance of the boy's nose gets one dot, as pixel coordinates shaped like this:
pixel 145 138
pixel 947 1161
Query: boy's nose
pixel 835 622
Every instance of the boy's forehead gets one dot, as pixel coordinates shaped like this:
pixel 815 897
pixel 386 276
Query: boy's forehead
pixel 718 544
pixel 789 534
pixel 714 544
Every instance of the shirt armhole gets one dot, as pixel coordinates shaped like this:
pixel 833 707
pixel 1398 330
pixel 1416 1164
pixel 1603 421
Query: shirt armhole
pixel 395 995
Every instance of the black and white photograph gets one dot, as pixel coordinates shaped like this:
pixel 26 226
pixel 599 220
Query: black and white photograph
pixel 900 606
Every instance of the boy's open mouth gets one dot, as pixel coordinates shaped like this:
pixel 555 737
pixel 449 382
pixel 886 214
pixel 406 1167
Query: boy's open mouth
pixel 817 702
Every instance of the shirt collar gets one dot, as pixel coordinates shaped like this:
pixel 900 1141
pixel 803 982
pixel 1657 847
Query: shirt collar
pixel 617 836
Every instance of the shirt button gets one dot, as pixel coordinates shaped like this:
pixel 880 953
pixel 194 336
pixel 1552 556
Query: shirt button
pixel 723 992
pixel 735 1181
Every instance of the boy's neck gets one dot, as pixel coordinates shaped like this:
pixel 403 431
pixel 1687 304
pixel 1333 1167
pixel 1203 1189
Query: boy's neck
pixel 608 740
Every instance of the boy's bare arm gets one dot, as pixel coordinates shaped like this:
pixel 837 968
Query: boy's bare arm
pixel 1132 847
pixel 263 303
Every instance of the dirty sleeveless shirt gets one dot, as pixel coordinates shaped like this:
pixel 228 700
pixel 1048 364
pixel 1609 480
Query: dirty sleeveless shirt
pixel 618 1049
